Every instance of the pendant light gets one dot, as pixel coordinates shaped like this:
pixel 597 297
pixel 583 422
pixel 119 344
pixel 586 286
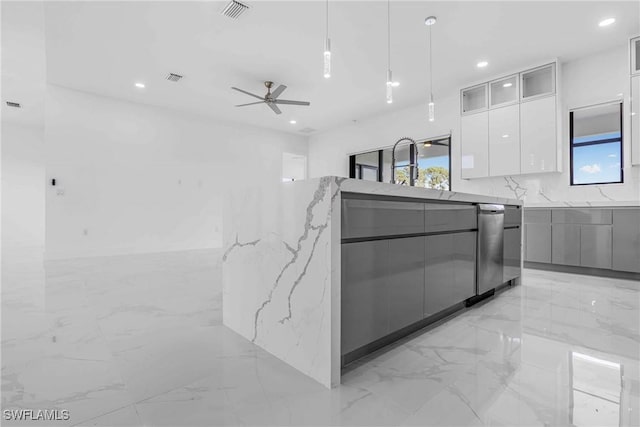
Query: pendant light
pixel 327 46
pixel 389 74
pixel 430 22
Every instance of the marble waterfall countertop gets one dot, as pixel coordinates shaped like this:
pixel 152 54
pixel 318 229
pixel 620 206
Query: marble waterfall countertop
pixel 599 204
pixel 282 265
pixel 387 189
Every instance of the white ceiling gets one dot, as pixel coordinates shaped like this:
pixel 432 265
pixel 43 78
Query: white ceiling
pixel 105 47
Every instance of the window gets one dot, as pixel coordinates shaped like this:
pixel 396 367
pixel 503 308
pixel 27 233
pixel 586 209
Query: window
pixel 434 164
pixel 596 145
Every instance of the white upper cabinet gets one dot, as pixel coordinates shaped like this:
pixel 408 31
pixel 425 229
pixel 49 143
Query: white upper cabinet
pixel 538 82
pixel 475 145
pixel 504 140
pixel 504 91
pixel 538 135
pixel 635 55
pixel 474 99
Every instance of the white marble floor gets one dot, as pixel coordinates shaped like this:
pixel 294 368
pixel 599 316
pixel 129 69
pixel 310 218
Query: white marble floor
pixel 138 340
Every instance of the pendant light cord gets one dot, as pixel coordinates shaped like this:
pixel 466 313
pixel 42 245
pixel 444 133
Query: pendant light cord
pixel 388 34
pixel 327 19
pixel 430 64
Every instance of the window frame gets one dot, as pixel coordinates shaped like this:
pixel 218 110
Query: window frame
pixel 572 145
pixel 354 168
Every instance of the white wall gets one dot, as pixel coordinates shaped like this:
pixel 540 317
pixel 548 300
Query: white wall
pixel 595 79
pixel 135 178
pixel 23 207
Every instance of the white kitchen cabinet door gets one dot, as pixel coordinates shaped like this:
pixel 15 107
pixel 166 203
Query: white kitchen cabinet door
pixel 635 56
pixel 475 145
pixel 504 141
pixel 635 120
pixel 538 136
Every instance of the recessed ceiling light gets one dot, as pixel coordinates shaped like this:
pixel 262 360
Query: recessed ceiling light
pixel 427 144
pixel 506 135
pixel 395 84
pixel 140 85
pixel 607 22
pixel 507 84
pixel 482 64
pixel 293 122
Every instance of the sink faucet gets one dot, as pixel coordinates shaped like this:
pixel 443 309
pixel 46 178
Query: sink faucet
pixel 393 158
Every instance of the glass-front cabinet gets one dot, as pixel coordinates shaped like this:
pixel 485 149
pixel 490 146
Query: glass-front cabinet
pixel 538 82
pixel 474 99
pixel 503 91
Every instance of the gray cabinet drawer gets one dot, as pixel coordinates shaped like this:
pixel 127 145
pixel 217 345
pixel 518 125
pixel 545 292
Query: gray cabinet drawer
pixel 449 217
pixel 512 215
pixel 369 218
pixel 581 216
pixel 595 246
pixel 565 244
pixel 537 238
pixel 626 240
pixel 535 216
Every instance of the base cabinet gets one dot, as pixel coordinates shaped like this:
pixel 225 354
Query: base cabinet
pixel 449 270
pixel 626 240
pixel 537 241
pixel 595 246
pixel 512 251
pixel 405 281
pixel 565 244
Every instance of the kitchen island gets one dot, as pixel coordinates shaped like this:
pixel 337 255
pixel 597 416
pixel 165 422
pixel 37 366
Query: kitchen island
pixel 321 271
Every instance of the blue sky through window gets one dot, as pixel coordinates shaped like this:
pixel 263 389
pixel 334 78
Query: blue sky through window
pixel 596 163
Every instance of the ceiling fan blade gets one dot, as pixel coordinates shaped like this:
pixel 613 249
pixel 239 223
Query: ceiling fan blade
pixel 276 93
pixel 248 93
pixel 274 108
pixel 251 103
pixel 285 101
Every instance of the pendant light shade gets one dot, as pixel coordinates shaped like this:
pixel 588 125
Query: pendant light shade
pixel 430 22
pixel 327 47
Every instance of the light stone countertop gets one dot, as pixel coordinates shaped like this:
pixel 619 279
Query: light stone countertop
pixel 582 204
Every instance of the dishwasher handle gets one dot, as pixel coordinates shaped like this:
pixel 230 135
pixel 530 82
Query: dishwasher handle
pixel 490 209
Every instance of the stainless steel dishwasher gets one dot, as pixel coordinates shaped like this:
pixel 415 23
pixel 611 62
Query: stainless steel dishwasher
pixel 490 247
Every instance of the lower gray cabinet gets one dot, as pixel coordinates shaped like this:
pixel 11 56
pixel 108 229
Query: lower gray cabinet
pixel 512 251
pixel 365 314
pixel 595 246
pixel 626 240
pixel 382 289
pixel 565 244
pixel 537 238
pixel 405 281
pixel 449 271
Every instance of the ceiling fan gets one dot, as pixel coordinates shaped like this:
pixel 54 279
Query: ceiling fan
pixel 271 99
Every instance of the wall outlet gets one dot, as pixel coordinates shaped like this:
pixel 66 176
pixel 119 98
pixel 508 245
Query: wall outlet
pixel 59 191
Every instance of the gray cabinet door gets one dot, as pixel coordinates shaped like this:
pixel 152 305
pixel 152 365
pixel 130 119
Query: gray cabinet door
pixel 449 270
pixel 565 244
pixel 595 246
pixel 512 251
pixel 464 268
pixel 364 305
pixel 538 242
pixel 405 281
pixel 581 216
pixel 626 240
pixel 438 270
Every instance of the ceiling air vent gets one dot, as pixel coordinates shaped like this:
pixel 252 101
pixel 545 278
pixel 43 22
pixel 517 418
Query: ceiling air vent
pixel 307 130
pixel 234 9
pixel 14 104
pixel 173 77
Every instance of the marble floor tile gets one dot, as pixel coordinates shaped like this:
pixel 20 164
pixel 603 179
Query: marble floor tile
pixel 139 340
